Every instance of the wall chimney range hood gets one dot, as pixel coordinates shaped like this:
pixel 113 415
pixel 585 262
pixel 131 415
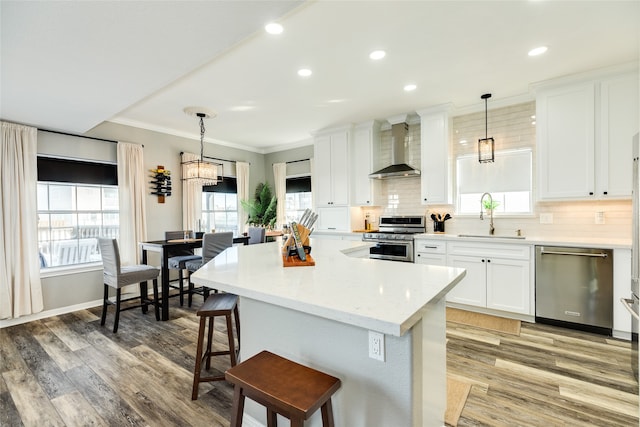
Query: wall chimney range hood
pixel 398 167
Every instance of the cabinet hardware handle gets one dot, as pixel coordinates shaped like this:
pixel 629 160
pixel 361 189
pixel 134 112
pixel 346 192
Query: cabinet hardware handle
pixel 430 247
pixel 600 255
pixel 488 260
pixel 591 193
pixel 605 193
pixel 482 260
pixel 627 302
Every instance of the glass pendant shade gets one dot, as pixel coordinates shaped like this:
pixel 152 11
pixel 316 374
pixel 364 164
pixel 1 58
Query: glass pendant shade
pixel 485 145
pixel 201 172
pixel 485 150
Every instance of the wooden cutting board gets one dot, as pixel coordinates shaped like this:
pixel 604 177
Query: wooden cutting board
pixel 294 261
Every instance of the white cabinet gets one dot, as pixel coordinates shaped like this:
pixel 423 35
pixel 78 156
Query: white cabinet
pixel 583 138
pixel 366 145
pixel 333 218
pixel 565 141
pixel 498 276
pixel 434 146
pixel 331 174
pixel 619 114
pixel 431 252
pixel 472 290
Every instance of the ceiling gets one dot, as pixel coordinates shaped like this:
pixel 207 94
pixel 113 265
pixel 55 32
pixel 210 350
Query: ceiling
pixel 70 66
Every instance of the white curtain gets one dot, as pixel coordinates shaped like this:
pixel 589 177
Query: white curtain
pixel 132 187
pixel 20 286
pixel 242 181
pixel 191 198
pixel 280 178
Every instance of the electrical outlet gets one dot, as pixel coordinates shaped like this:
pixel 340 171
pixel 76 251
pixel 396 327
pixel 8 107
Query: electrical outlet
pixel 376 345
pixel 599 217
pixel 546 218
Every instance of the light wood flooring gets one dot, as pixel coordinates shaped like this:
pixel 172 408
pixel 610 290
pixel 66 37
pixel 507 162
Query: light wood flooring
pixel 68 370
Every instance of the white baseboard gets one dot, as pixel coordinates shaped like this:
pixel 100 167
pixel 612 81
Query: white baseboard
pixel 49 313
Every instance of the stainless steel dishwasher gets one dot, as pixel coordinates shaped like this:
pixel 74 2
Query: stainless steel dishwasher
pixel 574 288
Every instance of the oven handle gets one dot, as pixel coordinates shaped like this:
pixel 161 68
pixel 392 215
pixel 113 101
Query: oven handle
pixel 600 255
pixel 628 302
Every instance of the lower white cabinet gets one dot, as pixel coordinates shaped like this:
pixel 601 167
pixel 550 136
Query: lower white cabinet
pixel 498 276
pixel 430 252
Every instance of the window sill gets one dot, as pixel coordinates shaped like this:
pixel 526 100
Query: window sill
pixel 69 269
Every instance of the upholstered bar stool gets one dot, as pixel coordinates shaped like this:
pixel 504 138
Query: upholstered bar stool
pixel 218 304
pixel 284 387
pixel 212 245
pixel 117 276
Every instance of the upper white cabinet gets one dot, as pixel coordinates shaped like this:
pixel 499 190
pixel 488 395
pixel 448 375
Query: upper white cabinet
pixel 619 114
pixel 434 146
pixel 366 145
pixel 584 135
pixel 331 175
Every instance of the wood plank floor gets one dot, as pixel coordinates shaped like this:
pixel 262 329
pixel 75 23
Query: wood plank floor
pixel 547 376
pixel 69 371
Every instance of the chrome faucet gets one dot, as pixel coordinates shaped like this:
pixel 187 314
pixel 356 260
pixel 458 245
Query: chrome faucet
pixel 491 228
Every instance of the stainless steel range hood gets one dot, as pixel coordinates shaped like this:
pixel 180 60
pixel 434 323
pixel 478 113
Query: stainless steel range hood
pixel 398 167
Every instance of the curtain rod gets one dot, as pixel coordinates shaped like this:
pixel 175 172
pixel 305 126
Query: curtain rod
pixel 79 136
pixel 294 161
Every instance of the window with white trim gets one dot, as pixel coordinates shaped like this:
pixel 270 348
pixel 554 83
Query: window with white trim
pixel 298 197
pixel 77 203
pixel 220 206
pixel 508 179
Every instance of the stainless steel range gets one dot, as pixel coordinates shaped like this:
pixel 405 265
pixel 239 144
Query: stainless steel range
pixel 394 238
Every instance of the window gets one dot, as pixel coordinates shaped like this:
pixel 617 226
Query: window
pixel 77 203
pixel 508 180
pixel 220 206
pixel 298 197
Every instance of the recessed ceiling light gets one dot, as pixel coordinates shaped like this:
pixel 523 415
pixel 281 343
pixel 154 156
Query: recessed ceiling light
pixel 273 28
pixel 538 51
pixel 377 54
pixel 335 101
pixel 304 72
pixel 410 87
pixel 242 108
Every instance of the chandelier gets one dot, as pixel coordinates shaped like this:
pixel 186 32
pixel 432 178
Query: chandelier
pixel 200 171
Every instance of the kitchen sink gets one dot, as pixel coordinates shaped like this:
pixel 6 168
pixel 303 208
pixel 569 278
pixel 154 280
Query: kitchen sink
pixel 495 236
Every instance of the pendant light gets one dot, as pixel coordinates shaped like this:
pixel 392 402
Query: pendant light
pixel 200 171
pixel 485 145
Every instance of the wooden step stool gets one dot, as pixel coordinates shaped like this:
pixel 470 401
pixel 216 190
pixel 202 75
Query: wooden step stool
pixel 283 387
pixel 215 305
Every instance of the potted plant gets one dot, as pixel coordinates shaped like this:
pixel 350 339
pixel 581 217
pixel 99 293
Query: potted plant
pixel 261 210
pixel 490 205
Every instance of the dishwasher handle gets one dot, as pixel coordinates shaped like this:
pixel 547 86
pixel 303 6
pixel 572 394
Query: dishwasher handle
pixel 627 302
pixel 600 255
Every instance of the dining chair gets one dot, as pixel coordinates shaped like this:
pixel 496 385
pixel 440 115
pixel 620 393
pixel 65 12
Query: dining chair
pixel 178 262
pixel 212 245
pixel 257 235
pixel 117 276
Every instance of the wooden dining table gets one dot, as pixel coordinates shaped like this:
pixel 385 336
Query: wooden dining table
pixel 167 249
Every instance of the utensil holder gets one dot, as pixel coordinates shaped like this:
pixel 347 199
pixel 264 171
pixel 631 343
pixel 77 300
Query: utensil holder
pixel 438 226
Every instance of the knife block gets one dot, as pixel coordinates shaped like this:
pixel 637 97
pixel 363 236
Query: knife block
pixel 295 261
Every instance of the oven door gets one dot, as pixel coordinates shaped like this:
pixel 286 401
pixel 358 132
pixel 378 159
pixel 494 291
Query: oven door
pixel 393 251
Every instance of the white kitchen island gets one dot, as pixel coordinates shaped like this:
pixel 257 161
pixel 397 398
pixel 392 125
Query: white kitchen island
pixel 321 316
